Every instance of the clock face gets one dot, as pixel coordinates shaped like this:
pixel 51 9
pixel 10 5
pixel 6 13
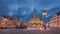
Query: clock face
pixel 24 9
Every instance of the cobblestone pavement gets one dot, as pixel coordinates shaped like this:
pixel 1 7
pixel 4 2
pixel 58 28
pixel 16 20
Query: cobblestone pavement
pixel 25 31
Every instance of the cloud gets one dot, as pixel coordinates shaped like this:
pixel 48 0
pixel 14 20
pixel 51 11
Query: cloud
pixel 26 7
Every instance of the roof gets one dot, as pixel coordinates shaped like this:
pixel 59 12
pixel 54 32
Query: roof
pixel 58 13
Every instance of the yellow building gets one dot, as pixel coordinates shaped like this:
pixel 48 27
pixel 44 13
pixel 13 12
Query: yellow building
pixel 1 20
pixel 35 21
pixel 13 23
pixel 7 22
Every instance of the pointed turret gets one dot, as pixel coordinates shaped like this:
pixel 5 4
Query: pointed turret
pixel 34 13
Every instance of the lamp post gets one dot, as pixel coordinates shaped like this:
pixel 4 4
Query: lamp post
pixel 44 14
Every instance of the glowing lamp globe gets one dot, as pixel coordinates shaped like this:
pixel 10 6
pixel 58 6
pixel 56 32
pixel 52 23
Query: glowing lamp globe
pixel 44 13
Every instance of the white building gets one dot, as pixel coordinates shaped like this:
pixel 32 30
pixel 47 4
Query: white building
pixel 54 21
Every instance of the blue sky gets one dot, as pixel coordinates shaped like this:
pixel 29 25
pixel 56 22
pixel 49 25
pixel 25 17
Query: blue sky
pixel 24 9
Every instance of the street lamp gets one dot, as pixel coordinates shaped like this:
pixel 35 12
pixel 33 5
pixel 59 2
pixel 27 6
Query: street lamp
pixel 44 13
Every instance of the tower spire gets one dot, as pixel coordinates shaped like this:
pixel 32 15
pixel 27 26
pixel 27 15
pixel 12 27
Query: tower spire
pixel 34 13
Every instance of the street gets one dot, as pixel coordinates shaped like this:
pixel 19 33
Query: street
pixel 25 31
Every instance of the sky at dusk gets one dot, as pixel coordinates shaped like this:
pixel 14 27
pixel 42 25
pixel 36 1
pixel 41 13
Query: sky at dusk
pixel 24 9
